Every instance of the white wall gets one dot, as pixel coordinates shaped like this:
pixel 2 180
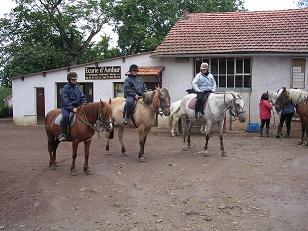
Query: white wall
pixel 268 73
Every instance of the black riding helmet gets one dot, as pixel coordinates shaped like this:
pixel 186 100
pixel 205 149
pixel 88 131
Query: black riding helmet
pixel 133 67
pixel 72 75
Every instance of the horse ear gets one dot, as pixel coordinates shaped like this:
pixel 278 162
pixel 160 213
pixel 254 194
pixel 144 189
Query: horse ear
pixel 102 103
pixel 109 101
pixel 266 92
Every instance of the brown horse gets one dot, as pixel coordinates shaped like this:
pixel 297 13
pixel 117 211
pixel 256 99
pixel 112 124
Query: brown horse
pixel 299 99
pixel 143 116
pixel 87 117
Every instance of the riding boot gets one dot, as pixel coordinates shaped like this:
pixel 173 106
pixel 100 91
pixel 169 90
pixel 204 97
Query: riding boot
pixel 62 136
pixel 267 132
pixel 125 119
pixel 261 132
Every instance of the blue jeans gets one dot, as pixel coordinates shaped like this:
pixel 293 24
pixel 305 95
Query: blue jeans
pixel 65 119
pixel 129 106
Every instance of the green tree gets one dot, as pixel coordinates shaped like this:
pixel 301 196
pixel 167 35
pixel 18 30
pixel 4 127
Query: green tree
pixel 46 34
pixel 142 24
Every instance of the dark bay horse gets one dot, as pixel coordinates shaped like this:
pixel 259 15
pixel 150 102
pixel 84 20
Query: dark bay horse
pixel 299 98
pixel 82 131
pixel 144 115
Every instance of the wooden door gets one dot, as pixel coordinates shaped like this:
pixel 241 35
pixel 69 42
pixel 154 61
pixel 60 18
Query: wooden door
pixel 40 105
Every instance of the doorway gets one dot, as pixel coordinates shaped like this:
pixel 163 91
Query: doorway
pixel 40 105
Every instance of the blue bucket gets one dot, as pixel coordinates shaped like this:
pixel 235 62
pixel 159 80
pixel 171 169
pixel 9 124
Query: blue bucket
pixel 253 127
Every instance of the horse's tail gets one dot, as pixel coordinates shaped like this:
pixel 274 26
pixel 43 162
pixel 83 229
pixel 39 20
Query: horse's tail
pixel 175 110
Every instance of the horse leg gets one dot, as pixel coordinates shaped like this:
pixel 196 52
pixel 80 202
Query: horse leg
pixel 143 132
pixel 303 135
pixel 50 150
pixel 221 138
pixel 185 130
pixel 54 150
pixel 189 131
pixel 86 168
pixel 120 135
pixel 73 169
pixel 207 137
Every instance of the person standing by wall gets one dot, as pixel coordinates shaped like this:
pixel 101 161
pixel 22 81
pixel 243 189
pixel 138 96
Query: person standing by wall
pixel 265 108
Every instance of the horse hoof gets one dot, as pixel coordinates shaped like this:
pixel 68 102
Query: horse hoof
pixel 88 172
pixel 184 148
pixel 206 154
pixel 172 135
pixel 142 159
pixel 300 142
pixel 74 173
pixel 223 154
pixel 124 154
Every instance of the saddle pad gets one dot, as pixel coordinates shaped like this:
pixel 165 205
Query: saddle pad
pixel 192 103
pixel 72 119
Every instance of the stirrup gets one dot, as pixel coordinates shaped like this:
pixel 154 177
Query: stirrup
pixel 62 137
pixel 125 121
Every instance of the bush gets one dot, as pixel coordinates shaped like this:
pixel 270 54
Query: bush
pixel 6 112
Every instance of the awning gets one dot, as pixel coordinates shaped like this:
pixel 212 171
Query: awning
pixel 149 70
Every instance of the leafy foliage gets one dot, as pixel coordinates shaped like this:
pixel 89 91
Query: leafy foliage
pixel 5 111
pixel 41 35
pixel 143 24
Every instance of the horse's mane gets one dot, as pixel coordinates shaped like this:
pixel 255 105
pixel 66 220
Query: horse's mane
pixel 297 95
pixel 90 108
pixel 152 95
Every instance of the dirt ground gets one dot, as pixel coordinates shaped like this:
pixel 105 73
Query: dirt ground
pixel 261 185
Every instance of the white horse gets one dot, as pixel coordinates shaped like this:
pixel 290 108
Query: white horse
pixel 174 118
pixel 214 112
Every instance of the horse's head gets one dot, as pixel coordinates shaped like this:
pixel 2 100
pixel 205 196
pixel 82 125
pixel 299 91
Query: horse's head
pixel 282 100
pixel 105 115
pixel 160 99
pixel 238 107
pixel 164 99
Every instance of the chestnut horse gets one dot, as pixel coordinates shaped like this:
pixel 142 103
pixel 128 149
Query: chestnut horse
pixel 87 117
pixel 299 98
pixel 143 117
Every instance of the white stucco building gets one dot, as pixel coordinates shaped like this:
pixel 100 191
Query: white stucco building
pixel 248 52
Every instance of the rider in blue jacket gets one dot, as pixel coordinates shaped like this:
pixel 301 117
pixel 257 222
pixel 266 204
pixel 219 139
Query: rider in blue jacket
pixel 203 84
pixel 134 88
pixel 71 98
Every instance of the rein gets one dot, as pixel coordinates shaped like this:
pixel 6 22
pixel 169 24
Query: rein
pixel 97 127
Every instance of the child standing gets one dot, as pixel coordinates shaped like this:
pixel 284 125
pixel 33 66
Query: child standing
pixel 265 113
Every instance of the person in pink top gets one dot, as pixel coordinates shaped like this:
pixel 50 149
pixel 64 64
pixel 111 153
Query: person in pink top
pixel 265 113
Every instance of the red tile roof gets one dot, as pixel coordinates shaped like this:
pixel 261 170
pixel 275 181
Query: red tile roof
pixel 149 70
pixel 284 31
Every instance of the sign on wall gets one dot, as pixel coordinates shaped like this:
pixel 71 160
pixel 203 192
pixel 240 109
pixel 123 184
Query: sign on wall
pixel 298 73
pixel 107 72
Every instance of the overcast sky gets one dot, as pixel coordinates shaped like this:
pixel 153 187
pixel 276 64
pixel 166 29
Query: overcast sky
pixel 251 5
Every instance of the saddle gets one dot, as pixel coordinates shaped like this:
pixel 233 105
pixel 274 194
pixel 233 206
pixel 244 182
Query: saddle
pixel 72 119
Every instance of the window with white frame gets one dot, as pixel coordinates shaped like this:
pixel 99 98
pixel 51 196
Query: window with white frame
pixel 228 72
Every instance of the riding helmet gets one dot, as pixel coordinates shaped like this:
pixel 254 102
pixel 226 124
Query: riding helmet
pixel 133 67
pixel 72 75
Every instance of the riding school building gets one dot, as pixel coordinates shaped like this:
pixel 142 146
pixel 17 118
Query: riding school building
pixel 247 52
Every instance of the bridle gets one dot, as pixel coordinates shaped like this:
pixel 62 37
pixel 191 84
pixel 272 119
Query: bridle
pixel 237 111
pixel 99 125
pixel 159 110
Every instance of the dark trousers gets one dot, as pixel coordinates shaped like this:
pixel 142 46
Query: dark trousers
pixel 129 106
pixel 201 98
pixel 265 122
pixel 65 119
pixel 285 118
